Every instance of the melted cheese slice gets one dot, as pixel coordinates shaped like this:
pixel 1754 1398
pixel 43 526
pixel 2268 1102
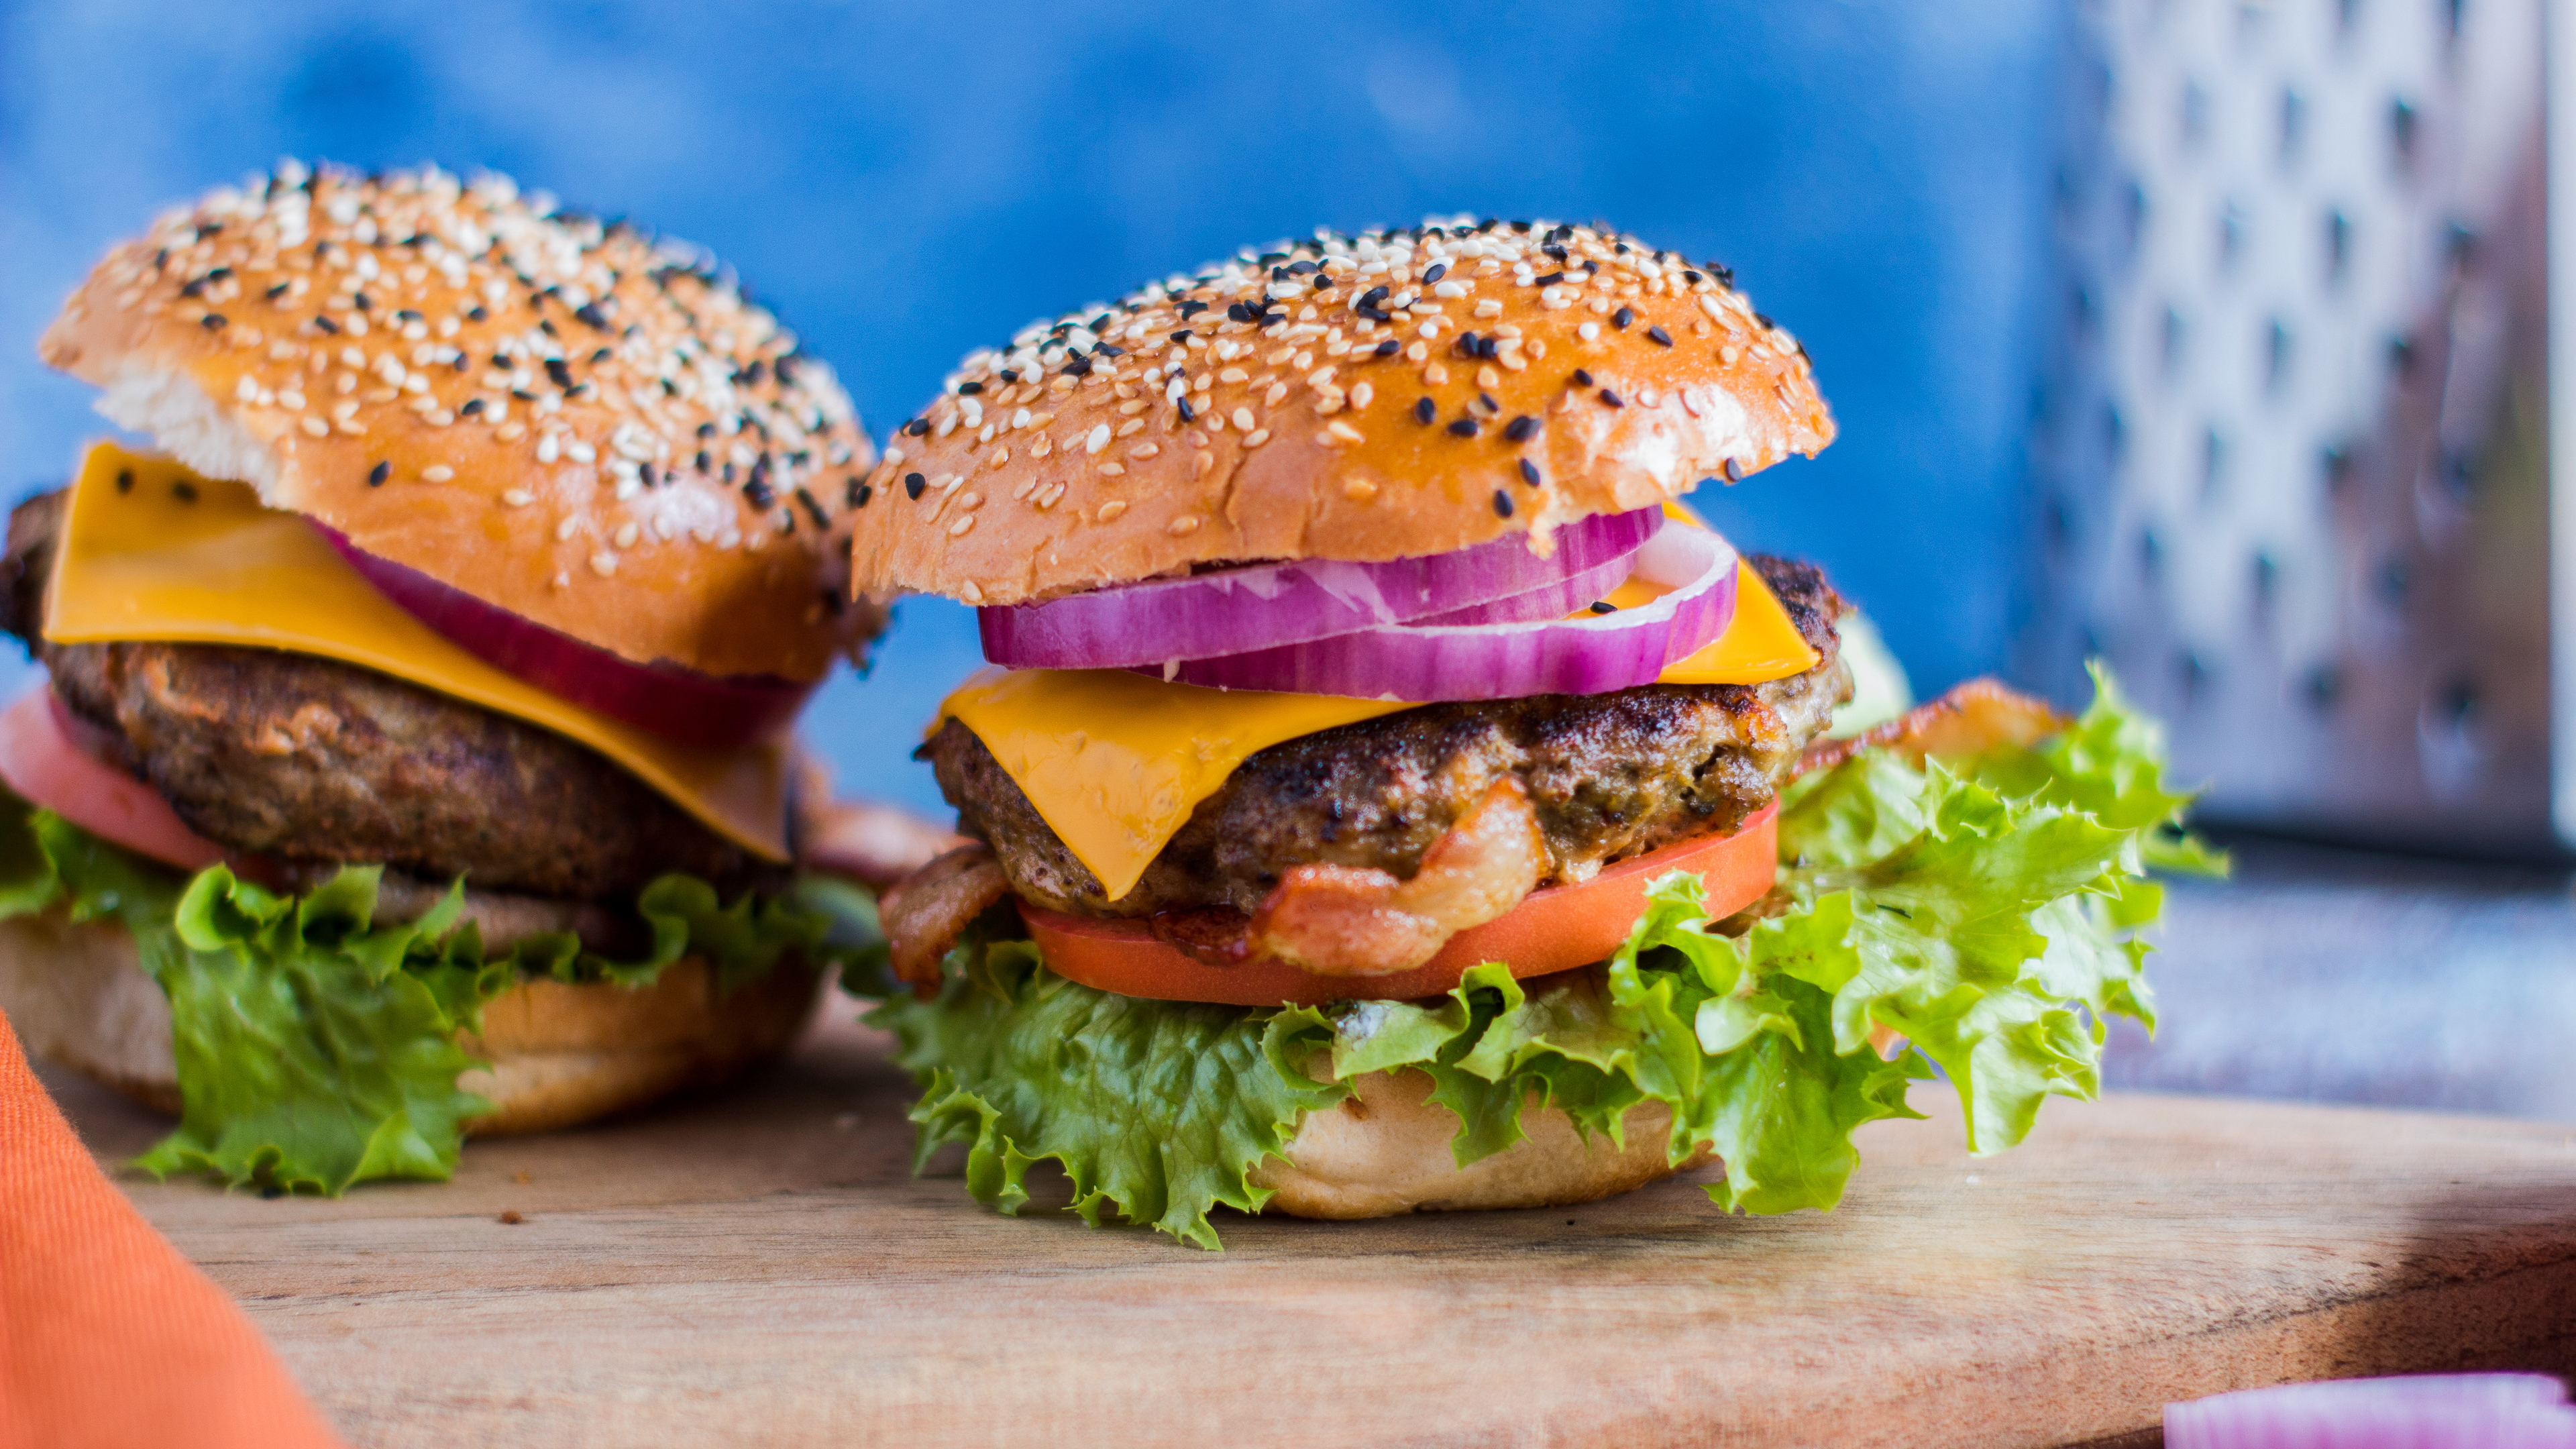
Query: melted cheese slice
pixel 151 551
pixel 1115 761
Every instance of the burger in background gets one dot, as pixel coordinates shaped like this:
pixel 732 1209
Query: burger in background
pixel 416 753
pixel 1387 797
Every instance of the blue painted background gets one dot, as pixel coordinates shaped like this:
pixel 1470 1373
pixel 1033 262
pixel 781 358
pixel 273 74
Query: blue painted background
pixel 904 182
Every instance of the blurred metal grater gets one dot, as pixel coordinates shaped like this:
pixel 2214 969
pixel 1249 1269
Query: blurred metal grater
pixel 2291 468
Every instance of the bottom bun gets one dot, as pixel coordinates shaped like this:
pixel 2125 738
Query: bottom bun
pixel 558 1054
pixel 1385 1150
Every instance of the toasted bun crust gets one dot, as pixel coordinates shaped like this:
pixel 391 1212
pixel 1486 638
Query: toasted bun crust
pixel 1065 462
pixel 1385 1150
pixel 571 421
pixel 559 1054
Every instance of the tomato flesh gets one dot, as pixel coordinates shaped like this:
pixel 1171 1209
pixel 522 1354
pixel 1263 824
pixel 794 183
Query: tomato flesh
pixel 43 760
pixel 1556 929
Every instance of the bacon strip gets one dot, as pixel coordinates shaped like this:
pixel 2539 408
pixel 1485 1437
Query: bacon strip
pixel 924 912
pixel 1977 715
pixel 1340 920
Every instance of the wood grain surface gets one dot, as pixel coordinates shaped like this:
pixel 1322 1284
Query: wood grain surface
pixel 759 1266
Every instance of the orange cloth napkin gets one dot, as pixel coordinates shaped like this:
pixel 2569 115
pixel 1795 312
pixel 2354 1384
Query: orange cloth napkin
pixel 108 1337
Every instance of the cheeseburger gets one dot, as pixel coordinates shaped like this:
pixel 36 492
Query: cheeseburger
pixel 1385 796
pixel 414 758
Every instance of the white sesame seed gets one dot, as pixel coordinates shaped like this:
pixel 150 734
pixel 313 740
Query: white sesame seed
pixel 628 487
pixel 566 529
pixel 581 452
pixel 1242 418
pixel 247 389
pixel 519 498
pixel 1362 394
pixel 603 564
pixel 1256 437
pixel 316 428
pixel 437 473
pixel 1183 526
pixel 627 534
pixel 1111 509
pixel 1097 439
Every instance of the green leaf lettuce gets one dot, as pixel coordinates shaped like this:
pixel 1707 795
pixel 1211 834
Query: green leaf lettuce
pixel 316 1048
pixel 1984 910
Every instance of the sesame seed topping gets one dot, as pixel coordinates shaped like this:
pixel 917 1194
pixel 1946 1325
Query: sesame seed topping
pixel 1521 429
pixel 1611 398
pixel 377 475
pixel 1530 474
pixel 1502 504
pixel 1463 427
pixel 1604 606
pixel 1425 410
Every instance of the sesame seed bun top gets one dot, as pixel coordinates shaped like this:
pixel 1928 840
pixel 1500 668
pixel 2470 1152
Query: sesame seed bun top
pixel 566 418
pixel 1388 395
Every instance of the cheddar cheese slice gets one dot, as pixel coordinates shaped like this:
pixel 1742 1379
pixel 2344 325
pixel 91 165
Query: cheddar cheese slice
pixel 1115 761
pixel 151 551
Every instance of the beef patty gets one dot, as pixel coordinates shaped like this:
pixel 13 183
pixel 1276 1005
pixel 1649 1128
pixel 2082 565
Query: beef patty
pixel 1611 776
pixel 314 763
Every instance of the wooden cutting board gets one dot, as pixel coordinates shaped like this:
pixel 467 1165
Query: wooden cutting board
pixel 760 1267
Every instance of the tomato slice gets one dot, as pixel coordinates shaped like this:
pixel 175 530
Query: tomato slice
pixel 43 759
pixel 1556 929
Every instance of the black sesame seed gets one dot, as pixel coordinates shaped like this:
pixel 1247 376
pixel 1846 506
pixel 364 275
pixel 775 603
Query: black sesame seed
pixel 1660 335
pixel 761 494
pixel 704 462
pixel 560 371
pixel 1502 504
pixel 1691 277
pixel 363 302
pixel 212 321
pixel 1239 312
pixel 500 360
pixel 1734 471
pixel 1079 367
pixel 196 288
pixel 1438 270
pixel 546 325
pixel 1550 280
pixel 814 509
pixel 327 325
pixel 1389 348
pixel 1191 308
pixel 476 313
pixel 1373 313
pixel 1604 606
pixel 1767 323
pixel 727 475
pixel 463 362
pixel 601 355
pixel 592 317
pixel 183 491
pixel 755 374
pixel 277 291
pixel 1303 268
pixel 1424 410
pixel 1621 318
pixel 1530 475
pixel 473 405
pixel 124 480
pixel 1582 378
pixel 523 395
pixel 1552 249
pixel 1611 398
pixel 913 483
pixel 916 427
pixel 1463 428
pixel 969 389
pixel 1486 399
pixel 644 474
pixel 860 493
pixel 1373 296
pixel 706 430
pixel 1009 376
pixel 377 475
pixel 1520 429
pixel 405 314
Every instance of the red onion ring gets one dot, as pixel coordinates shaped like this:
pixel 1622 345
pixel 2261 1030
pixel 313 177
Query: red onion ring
pixel 2390 1413
pixel 1264 607
pixel 1591 654
pixel 714 712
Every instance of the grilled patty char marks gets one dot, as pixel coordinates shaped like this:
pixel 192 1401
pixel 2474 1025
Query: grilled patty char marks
pixel 315 763
pixel 1612 776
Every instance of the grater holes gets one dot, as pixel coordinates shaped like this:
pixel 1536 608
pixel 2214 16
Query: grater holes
pixel 2338 245
pixel 2276 357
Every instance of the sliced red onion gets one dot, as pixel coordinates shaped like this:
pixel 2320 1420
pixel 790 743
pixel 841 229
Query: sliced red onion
pixel 1269 605
pixel 1589 654
pixel 2435 1411
pixel 715 712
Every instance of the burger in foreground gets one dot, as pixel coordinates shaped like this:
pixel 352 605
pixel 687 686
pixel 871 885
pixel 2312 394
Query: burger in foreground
pixel 1390 799
pixel 415 755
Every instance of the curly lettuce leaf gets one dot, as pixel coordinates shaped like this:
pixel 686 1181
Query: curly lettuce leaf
pixel 1984 910
pixel 317 1048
